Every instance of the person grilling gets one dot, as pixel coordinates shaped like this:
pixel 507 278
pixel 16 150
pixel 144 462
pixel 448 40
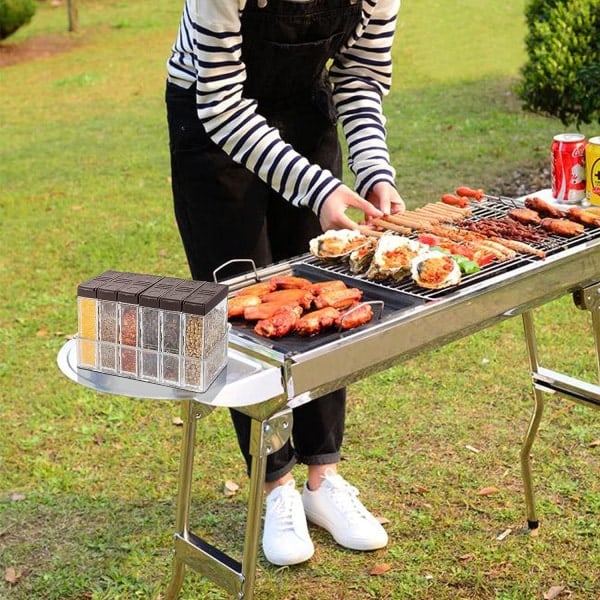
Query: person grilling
pixel 255 90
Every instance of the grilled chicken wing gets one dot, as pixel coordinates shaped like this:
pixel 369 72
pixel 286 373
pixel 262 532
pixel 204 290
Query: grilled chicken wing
pixel 288 282
pixel 280 324
pixel 562 227
pixel 237 305
pixel 579 215
pixel 265 310
pixel 303 297
pixel 355 317
pixel 257 289
pixel 543 208
pixel 338 298
pixel 526 216
pixel 330 284
pixel 316 321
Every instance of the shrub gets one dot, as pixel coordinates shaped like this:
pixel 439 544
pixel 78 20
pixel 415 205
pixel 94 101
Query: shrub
pixel 562 75
pixel 14 14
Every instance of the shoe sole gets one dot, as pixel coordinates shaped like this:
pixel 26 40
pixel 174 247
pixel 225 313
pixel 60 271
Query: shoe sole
pixel 351 546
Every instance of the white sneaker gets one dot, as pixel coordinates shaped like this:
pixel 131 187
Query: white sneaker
pixel 335 507
pixel 286 540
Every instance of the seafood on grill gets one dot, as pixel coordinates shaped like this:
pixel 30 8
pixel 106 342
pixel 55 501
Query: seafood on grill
pixel 562 227
pixel 280 324
pixel 435 270
pixel 336 244
pixel 393 256
pixel 360 259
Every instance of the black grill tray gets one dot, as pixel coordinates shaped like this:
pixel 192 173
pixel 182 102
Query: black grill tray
pixel 393 301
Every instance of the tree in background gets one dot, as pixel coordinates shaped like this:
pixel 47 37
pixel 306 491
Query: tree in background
pixel 14 14
pixel 562 75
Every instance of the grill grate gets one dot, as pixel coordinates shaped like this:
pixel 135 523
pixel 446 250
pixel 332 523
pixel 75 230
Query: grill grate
pixel 488 208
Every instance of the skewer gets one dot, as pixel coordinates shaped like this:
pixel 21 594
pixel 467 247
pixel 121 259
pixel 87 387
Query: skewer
pixel 503 199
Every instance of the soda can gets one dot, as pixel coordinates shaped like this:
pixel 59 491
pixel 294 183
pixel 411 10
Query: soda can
pixel 568 168
pixel 592 170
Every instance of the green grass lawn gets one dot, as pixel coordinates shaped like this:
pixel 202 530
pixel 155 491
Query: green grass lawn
pixel 87 482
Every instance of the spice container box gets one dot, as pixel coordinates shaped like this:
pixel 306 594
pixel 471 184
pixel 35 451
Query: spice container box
pixel 159 329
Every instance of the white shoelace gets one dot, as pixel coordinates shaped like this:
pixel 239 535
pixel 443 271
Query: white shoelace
pixel 345 498
pixel 283 508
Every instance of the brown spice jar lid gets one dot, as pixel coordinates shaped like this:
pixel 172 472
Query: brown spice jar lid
pixel 89 288
pixel 203 300
pixel 134 286
pixel 173 300
pixel 150 297
pixel 110 289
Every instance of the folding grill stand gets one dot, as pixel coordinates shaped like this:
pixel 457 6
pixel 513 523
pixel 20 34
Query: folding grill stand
pixel 552 382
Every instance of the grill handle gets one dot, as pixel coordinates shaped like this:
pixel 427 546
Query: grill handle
pixel 233 261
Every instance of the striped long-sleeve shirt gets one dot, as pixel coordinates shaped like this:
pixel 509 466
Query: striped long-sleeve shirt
pixel 207 53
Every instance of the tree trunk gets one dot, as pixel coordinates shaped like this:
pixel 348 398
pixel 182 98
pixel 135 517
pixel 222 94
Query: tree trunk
pixel 73 17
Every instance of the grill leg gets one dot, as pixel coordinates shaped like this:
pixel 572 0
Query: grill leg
pixel 534 423
pixel 190 412
pixel 265 437
pixel 588 298
pixel 596 332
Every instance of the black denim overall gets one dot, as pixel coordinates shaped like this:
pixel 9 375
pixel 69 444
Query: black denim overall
pixel 225 212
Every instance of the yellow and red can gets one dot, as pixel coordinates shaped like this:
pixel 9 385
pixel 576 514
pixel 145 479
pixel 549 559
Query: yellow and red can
pixel 592 168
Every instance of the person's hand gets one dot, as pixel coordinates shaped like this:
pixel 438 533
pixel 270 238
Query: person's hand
pixel 333 213
pixel 385 196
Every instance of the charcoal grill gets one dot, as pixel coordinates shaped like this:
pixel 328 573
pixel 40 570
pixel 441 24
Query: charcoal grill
pixel 265 379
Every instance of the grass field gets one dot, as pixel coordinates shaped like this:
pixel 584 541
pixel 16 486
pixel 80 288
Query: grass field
pixel 87 482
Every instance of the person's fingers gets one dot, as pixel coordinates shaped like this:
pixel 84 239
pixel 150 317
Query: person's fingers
pixel 341 222
pixel 397 206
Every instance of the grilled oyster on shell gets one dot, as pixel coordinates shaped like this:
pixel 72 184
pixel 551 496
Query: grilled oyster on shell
pixel 435 270
pixel 393 256
pixel 336 243
pixel 360 259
